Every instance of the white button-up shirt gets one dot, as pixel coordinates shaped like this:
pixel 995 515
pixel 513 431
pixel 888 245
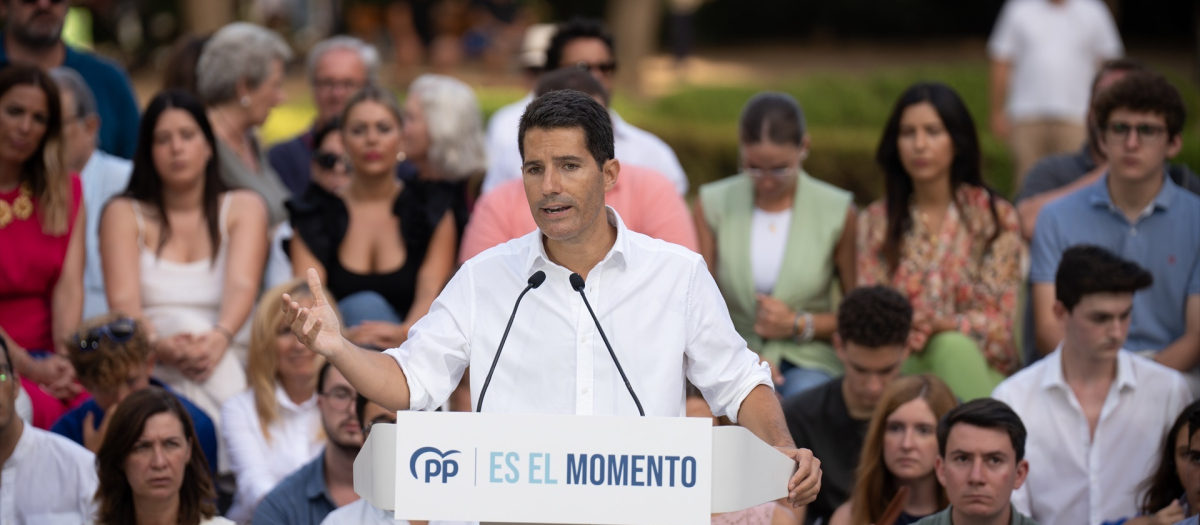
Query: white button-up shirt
pixel 103 177
pixel 632 145
pixel 659 307
pixel 258 463
pixel 1074 479
pixel 48 480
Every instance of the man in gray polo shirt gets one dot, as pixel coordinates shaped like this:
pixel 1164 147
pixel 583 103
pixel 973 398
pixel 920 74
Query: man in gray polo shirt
pixel 1137 212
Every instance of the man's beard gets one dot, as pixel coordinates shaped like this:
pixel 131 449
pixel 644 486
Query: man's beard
pixel 37 38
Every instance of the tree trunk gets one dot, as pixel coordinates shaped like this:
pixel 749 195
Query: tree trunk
pixel 635 26
pixel 206 16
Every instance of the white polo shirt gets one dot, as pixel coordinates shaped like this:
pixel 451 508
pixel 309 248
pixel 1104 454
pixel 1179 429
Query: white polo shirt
pixel 1055 51
pixel 657 302
pixel 48 480
pixel 1073 478
pixel 632 144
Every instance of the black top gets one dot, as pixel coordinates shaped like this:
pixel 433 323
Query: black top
pixel 819 421
pixel 321 220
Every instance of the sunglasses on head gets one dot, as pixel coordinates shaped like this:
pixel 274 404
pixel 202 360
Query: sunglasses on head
pixel 327 160
pixel 118 331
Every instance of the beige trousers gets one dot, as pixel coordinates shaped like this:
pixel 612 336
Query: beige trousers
pixel 1033 139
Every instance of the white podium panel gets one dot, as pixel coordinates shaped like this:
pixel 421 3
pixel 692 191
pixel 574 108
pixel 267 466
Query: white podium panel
pixel 553 469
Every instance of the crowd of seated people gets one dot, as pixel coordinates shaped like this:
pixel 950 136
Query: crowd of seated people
pixel 144 340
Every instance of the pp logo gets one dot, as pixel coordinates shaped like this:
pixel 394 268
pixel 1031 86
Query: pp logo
pixel 434 466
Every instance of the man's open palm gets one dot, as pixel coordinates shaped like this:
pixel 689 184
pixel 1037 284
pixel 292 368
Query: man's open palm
pixel 317 327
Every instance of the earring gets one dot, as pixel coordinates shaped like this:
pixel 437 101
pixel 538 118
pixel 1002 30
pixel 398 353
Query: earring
pixel 245 101
pixel 401 156
pixel 803 155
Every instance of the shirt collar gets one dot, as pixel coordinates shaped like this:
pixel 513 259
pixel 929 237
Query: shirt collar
pixel 314 486
pixel 1053 375
pixel 286 402
pixel 619 124
pixel 1100 197
pixel 25 444
pixel 619 251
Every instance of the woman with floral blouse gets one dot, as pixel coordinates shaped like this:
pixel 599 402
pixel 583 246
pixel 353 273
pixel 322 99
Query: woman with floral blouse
pixel 945 240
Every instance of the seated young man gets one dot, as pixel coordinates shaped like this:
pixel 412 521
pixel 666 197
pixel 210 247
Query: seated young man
pixel 112 358
pixel 831 419
pixel 981 461
pixel 1093 409
pixel 1137 212
pixel 361 512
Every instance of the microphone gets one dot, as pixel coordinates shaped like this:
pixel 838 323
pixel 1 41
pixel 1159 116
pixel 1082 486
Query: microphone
pixel 577 284
pixel 535 281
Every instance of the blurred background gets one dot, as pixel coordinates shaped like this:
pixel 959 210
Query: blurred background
pixel 686 67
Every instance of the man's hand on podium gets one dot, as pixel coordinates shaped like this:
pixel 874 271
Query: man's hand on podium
pixel 317 327
pixel 806 481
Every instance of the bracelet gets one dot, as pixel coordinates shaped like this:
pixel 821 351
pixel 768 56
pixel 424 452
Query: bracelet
pixel 805 335
pixel 796 326
pixel 224 331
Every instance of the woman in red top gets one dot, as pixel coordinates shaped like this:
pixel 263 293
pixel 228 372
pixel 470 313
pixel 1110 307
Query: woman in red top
pixel 42 235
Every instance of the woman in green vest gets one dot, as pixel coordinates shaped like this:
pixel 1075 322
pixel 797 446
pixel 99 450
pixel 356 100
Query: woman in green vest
pixel 774 238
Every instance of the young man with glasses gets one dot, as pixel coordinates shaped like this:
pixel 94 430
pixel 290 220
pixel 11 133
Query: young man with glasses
pixel 327 482
pixel 1140 214
pixel 33 35
pixel 44 478
pixel 113 359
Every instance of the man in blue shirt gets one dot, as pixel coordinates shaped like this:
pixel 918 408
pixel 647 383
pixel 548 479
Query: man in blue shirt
pixel 33 35
pixel 327 482
pixel 112 358
pixel 1137 212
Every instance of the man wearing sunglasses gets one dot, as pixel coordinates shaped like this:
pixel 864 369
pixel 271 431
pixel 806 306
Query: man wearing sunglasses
pixel 33 34
pixel 112 358
pixel 45 478
pixel 586 44
pixel 1138 213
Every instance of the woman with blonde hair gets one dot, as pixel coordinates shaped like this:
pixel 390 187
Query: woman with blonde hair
pixel 274 427
pixel 899 451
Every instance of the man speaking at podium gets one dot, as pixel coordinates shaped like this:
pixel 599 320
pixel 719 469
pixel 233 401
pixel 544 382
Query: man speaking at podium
pixel 658 316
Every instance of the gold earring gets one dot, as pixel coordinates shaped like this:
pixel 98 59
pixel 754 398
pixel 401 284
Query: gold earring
pixel 401 156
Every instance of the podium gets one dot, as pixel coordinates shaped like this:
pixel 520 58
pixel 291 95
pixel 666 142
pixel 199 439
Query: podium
pixel 609 470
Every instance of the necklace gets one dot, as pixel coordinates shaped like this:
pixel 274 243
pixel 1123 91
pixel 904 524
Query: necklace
pixel 21 208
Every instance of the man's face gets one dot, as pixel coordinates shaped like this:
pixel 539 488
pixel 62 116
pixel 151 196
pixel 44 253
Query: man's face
pixel 980 470
pixel 592 53
pixel 374 414
pixel 868 370
pixel 338 75
pixel 79 133
pixel 564 185
pixel 108 396
pixel 35 24
pixel 338 416
pixel 1137 145
pixel 1105 81
pixel 1098 325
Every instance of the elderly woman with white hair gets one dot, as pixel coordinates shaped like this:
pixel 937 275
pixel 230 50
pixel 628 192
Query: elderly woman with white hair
pixel 383 247
pixel 444 139
pixel 240 79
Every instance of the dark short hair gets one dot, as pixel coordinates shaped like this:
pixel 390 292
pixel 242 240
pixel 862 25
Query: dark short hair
pixel 110 363
pixel 772 116
pixel 874 316
pixel 571 78
pixel 1123 64
pixel 1144 92
pixel 573 29
pixel 568 109
pixel 984 413
pixel 1086 270
pixel 114 495
pixel 322 131
pixel 322 375
pixel 360 403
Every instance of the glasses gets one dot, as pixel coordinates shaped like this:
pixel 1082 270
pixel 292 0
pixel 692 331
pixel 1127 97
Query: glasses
pixel 774 173
pixel 606 68
pixel 1145 132
pixel 119 331
pixel 330 85
pixel 328 160
pixel 339 398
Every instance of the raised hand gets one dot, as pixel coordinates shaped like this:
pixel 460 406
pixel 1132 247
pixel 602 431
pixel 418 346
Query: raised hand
pixel 317 327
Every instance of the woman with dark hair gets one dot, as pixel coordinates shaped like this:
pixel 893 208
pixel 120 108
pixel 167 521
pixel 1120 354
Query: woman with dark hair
pixel 944 239
pixel 185 254
pixel 1171 494
pixel 151 467
pixel 384 247
pixel 42 234
pixel 775 239
pixel 899 451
